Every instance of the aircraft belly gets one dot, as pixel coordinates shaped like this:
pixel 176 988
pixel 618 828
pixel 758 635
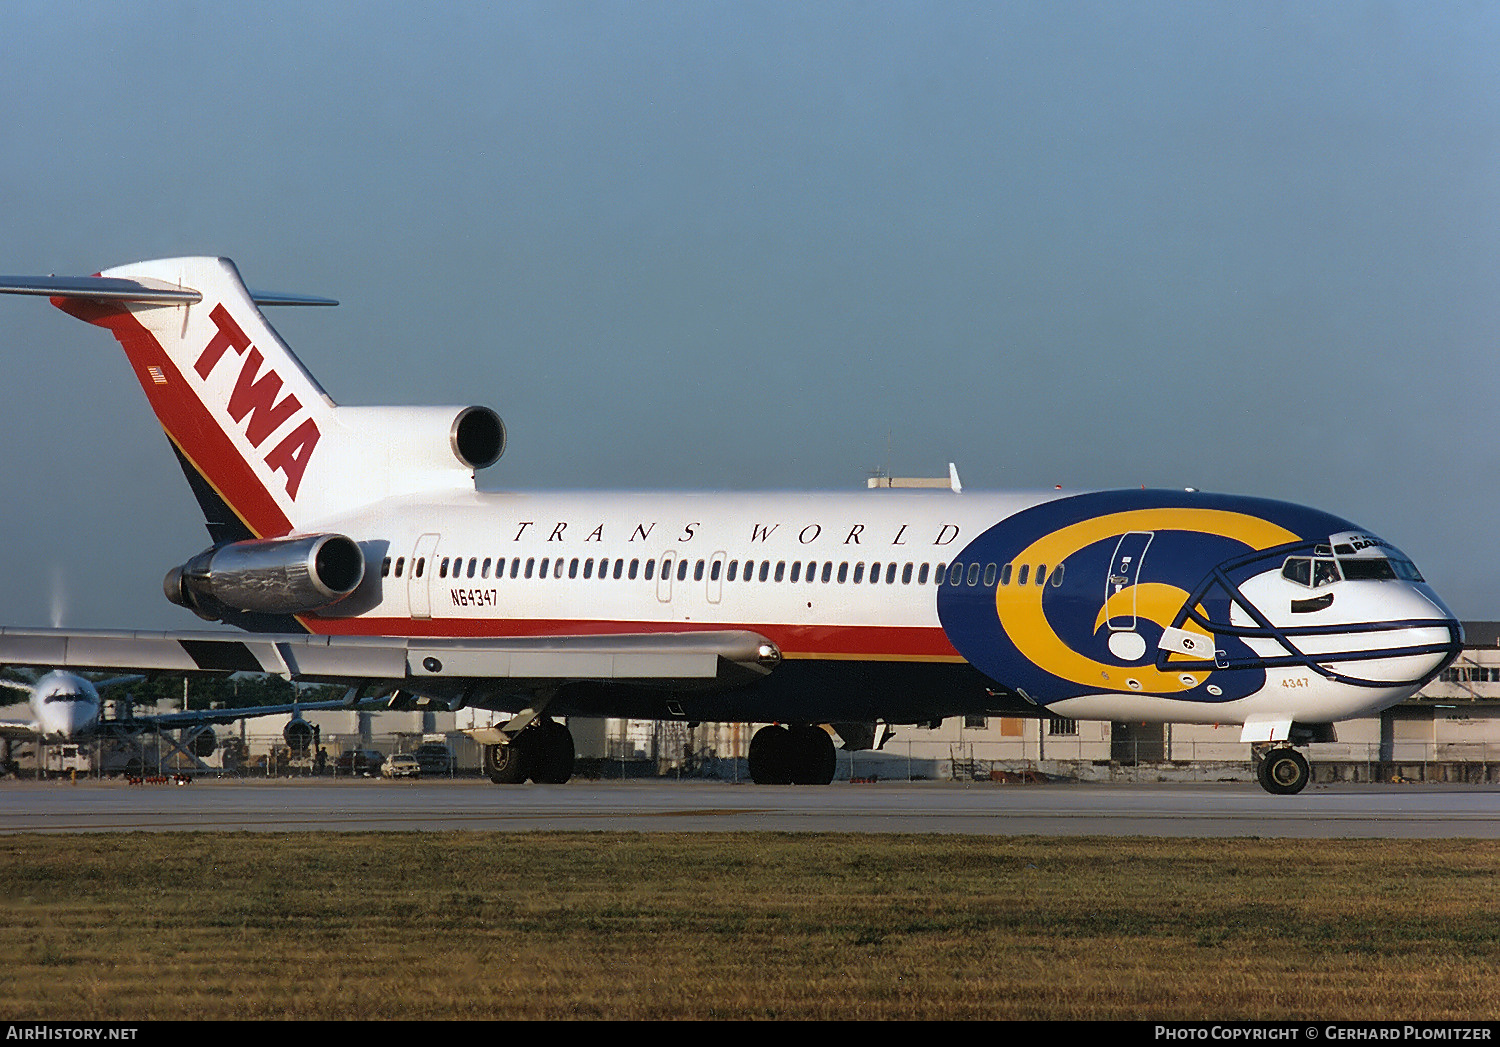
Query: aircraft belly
pixel 808 691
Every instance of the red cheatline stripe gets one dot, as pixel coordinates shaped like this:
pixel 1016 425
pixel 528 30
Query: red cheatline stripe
pixel 186 421
pixel 831 641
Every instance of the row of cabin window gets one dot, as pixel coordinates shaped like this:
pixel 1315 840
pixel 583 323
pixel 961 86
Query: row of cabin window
pixel 953 574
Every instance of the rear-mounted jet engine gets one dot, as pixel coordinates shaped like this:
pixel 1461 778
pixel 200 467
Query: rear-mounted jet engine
pixel 272 575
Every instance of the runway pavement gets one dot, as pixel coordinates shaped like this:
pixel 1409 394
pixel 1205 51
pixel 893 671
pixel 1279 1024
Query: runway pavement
pixel 1165 810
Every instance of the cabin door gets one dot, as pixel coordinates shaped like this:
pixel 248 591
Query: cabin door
pixel 1124 573
pixel 419 581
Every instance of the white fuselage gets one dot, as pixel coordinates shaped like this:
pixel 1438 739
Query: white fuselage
pixel 828 577
pixel 517 564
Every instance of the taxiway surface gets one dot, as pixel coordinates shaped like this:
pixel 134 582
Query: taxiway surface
pixel 1214 810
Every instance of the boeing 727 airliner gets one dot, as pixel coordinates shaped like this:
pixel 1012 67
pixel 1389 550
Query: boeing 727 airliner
pixel 352 545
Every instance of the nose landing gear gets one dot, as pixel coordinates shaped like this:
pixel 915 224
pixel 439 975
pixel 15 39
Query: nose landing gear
pixel 1281 770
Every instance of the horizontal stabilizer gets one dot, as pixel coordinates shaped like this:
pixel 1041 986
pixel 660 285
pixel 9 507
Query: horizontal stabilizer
pixel 281 298
pixel 155 292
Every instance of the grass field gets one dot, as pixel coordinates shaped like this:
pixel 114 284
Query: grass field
pixel 550 925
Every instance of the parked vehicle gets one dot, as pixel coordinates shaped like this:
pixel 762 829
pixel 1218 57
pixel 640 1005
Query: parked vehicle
pixel 364 762
pixel 401 765
pixel 435 758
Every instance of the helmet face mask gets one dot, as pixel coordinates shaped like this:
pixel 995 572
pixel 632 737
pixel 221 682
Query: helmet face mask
pixel 1326 605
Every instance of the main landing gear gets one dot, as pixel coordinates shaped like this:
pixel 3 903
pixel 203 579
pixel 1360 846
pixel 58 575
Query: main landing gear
pixel 1282 770
pixel 798 755
pixel 542 753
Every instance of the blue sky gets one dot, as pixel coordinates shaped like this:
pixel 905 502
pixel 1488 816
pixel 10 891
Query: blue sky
pixel 1243 247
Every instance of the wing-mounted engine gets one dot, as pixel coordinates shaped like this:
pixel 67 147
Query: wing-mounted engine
pixel 299 735
pixel 292 575
pixel 203 742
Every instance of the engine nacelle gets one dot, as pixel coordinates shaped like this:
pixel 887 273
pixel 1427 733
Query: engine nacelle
pixel 299 735
pixel 420 448
pixel 204 742
pixel 268 575
pixel 477 437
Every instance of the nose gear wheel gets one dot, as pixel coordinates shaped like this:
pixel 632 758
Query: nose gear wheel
pixel 1283 771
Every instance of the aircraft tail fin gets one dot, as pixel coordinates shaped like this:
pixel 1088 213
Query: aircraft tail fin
pixel 266 451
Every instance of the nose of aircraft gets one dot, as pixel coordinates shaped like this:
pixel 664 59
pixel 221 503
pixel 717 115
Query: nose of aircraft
pixel 65 706
pixel 1414 640
pixel 1384 634
pixel 80 716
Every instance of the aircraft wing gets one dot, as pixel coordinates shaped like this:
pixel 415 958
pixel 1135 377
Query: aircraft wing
pixel 195 717
pixel 17 729
pixel 117 681
pixel 725 657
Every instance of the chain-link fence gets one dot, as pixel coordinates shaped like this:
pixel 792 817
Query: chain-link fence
pixel 673 752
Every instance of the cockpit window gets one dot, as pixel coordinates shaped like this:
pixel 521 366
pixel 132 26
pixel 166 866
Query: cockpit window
pixel 1324 570
pixel 1298 569
pixel 1380 569
pixel 1311 572
pixel 1406 570
pixel 1372 570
